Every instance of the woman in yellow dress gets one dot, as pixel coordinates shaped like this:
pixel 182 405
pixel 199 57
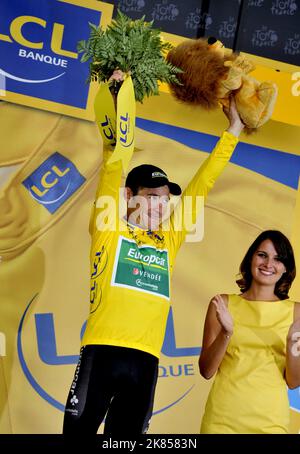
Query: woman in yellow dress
pixel 252 341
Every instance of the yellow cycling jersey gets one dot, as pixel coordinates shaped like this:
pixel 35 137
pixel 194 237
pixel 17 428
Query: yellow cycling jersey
pixel 131 268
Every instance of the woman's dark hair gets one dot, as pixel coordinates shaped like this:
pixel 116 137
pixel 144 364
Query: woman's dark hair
pixel 285 254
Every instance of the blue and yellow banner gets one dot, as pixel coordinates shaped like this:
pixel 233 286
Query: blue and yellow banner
pixel 105 115
pixel 125 124
pixel 39 63
pixel 117 129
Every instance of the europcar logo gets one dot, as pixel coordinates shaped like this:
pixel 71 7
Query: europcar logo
pixel 38 48
pixel 53 182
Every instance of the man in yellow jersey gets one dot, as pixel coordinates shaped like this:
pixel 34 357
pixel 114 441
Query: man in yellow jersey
pixel 131 266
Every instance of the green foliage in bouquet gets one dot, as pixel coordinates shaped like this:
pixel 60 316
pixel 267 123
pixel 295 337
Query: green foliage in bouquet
pixel 132 46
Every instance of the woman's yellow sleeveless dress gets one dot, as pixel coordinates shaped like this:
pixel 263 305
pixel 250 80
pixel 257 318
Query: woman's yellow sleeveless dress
pixel 249 394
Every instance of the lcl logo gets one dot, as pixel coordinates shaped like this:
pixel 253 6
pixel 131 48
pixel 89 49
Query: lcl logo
pixel 48 354
pixel 17 34
pixel 53 182
pixel 49 180
pixel 38 57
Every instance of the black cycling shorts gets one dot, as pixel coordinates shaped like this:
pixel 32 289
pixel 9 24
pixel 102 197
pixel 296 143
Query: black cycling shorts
pixel 115 383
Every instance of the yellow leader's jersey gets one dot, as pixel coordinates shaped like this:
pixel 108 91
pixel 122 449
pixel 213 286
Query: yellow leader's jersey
pixel 131 268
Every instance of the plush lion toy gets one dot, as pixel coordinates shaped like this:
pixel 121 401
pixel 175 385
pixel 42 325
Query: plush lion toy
pixel 210 74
